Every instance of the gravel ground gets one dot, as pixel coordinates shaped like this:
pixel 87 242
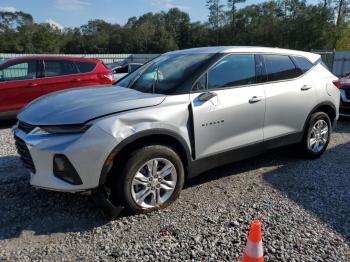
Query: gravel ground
pixel 304 206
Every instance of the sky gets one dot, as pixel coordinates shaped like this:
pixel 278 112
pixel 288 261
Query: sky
pixel 74 13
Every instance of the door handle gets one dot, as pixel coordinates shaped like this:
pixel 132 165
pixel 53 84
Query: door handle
pixel 206 96
pixel 255 99
pixel 305 87
pixel 75 80
pixel 31 85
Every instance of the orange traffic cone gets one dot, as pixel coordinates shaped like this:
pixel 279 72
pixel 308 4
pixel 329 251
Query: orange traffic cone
pixel 253 252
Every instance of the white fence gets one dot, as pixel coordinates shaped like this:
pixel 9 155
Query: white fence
pixel 339 62
pixel 106 58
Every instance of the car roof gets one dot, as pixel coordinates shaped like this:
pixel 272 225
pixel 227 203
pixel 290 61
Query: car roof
pixel 247 49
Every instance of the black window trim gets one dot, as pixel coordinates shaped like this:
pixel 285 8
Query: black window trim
pixel 225 88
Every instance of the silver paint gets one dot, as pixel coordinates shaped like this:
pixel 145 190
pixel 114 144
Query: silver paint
pixel 119 113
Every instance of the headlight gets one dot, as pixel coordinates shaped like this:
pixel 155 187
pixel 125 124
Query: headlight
pixel 67 129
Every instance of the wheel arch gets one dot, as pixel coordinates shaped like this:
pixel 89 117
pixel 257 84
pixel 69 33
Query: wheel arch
pixel 326 107
pixel 144 138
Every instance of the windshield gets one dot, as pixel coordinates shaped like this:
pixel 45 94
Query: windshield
pixel 165 73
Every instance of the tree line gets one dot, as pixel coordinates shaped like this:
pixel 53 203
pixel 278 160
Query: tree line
pixel 294 24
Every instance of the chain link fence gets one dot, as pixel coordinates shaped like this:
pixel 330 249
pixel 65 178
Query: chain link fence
pixel 327 57
pixel 106 58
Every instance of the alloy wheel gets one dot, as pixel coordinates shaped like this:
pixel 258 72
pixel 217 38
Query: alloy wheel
pixel 318 136
pixel 154 183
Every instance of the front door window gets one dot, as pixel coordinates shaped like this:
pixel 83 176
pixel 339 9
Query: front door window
pixel 19 71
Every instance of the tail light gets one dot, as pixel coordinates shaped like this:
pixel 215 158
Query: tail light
pixel 107 77
pixel 337 83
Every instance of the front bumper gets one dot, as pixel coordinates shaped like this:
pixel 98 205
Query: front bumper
pixel 87 152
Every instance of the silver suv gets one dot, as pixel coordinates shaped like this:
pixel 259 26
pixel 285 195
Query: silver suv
pixel 178 115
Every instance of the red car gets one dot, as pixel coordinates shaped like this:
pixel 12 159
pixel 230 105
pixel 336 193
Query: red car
pixel 24 79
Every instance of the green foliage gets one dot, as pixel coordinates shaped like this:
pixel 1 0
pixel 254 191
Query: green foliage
pixel 283 23
pixel 343 42
pixel 216 13
pixel 232 6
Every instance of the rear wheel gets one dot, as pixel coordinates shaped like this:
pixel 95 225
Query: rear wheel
pixel 317 135
pixel 151 179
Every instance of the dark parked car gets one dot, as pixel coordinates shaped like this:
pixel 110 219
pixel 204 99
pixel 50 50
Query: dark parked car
pixel 25 79
pixel 344 85
pixel 121 69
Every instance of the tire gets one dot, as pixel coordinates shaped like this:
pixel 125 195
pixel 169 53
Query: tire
pixel 142 162
pixel 318 121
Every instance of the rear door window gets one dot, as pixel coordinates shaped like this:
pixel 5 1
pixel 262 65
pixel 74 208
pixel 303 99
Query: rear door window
pixel 59 68
pixel 20 71
pixel 280 67
pixel 85 67
pixel 232 70
pixel 303 64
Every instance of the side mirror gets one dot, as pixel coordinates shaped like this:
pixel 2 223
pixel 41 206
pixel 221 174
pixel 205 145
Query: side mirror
pixel 206 96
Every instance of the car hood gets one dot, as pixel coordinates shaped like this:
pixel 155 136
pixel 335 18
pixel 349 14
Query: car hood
pixel 78 106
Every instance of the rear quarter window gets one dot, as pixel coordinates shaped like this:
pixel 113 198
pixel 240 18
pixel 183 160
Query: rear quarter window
pixel 303 64
pixel 85 67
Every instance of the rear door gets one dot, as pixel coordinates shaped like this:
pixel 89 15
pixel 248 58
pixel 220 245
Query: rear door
pixel 228 106
pixel 19 85
pixel 88 74
pixel 289 95
pixel 59 75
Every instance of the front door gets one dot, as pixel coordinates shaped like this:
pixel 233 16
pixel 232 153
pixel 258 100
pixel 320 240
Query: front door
pixel 19 85
pixel 228 106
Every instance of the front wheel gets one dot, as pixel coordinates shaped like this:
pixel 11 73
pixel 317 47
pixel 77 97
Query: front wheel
pixel 317 135
pixel 151 179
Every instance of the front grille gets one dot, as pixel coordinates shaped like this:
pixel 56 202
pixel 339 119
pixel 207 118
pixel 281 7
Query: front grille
pixel 24 153
pixel 25 127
